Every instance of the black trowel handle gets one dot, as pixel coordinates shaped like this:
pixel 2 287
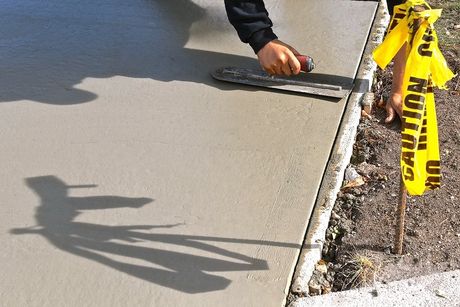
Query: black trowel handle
pixel 306 63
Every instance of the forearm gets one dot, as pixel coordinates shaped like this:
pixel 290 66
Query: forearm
pixel 251 21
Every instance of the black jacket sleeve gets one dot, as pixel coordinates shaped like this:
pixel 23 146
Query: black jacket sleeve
pixel 250 19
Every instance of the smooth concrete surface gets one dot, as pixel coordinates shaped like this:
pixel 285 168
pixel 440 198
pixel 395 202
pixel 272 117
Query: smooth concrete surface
pixel 442 289
pixel 131 178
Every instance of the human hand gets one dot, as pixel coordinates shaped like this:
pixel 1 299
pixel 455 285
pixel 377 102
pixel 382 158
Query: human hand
pixel 278 58
pixel 393 107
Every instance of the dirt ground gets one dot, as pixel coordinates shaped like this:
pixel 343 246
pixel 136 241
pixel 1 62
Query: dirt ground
pixel 360 236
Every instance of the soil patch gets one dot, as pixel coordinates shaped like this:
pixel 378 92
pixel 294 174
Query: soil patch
pixel 361 231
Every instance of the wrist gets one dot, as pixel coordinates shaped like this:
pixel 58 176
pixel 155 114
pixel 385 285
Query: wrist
pixel 259 39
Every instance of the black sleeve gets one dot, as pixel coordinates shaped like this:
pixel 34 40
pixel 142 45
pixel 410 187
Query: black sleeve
pixel 391 4
pixel 250 19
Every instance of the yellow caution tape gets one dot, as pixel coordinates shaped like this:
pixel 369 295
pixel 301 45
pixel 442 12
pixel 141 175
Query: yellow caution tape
pixel 425 68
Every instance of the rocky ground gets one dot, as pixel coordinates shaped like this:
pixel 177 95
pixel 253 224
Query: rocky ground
pixel 361 231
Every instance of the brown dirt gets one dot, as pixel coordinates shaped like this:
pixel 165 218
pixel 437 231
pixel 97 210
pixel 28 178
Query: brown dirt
pixel 363 219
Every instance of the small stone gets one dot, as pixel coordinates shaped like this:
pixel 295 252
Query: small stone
pixel 335 216
pixel 350 196
pixel 322 268
pixel 366 169
pixel 412 232
pixel 314 288
pixel 440 293
pixel 456 27
pixel 351 174
pixel 327 290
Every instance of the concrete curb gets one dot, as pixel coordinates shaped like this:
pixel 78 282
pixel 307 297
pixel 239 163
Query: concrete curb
pixel 340 157
pixel 442 289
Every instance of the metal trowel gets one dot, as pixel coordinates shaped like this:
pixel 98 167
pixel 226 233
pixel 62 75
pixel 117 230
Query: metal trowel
pixel 305 83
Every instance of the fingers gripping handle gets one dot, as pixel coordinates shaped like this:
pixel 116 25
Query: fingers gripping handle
pixel 306 63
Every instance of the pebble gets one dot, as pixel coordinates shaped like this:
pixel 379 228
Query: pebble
pixel 440 293
pixel 314 288
pixel 322 268
pixel 351 174
pixel 350 196
pixel 335 216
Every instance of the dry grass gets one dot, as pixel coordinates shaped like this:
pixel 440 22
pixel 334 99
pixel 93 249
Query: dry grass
pixel 359 270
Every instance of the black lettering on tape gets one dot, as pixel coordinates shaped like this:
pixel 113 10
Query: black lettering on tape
pixel 396 18
pixel 433 182
pixel 408 141
pixel 423 50
pixel 408 126
pixel 421 146
pixel 428 37
pixel 419 85
pixel 433 167
pixel 411 114
pixel 408 158
pixel 432 186
pixel 408 173
pixel 422 138
pixel 414 101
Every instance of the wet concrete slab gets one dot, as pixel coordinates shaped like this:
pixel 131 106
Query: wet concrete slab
pixel 131 178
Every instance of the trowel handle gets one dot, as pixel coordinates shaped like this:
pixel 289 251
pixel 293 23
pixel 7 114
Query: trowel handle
pixel 306 63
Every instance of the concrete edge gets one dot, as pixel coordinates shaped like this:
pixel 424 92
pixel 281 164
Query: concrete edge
pixel 440 289
pixel 339 160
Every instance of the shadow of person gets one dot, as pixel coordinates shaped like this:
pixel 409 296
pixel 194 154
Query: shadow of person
pixel 188 273
pixel 60 44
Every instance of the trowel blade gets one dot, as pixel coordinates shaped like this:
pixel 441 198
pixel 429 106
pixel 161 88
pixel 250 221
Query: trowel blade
pixel 262 79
